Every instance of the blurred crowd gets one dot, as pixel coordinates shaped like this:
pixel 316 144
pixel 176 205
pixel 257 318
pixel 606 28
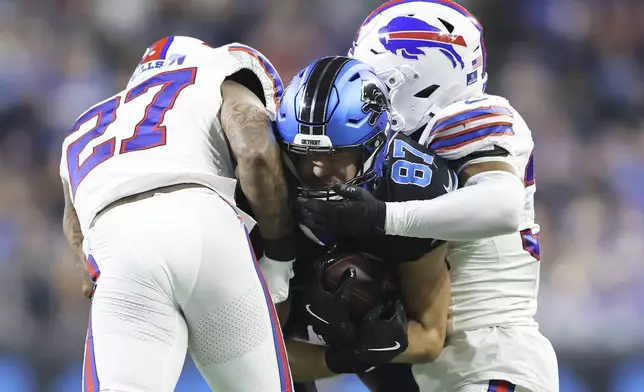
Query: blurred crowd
pixel 573 68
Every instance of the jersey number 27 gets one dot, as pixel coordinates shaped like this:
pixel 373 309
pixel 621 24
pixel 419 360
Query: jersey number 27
pixel 148 133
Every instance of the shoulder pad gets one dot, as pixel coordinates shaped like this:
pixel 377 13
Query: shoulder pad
pixel 471 120
pixel 251 59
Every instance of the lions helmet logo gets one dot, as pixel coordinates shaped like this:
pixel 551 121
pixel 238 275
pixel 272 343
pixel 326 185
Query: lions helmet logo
pixel 375 101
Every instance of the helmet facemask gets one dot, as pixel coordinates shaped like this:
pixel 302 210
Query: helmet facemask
pixel 365 155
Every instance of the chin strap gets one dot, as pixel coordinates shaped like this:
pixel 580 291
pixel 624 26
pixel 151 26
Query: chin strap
pixel 288 162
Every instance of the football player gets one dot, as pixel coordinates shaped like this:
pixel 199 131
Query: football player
pixel 149 180
pixel 431 55
pixel 332 123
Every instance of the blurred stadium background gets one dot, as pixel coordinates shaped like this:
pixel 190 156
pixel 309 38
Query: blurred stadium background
pixel 573 68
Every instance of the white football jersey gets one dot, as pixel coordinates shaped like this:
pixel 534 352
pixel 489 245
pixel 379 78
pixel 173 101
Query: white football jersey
pixel 495 280
pixel 163 129
pixel 492 333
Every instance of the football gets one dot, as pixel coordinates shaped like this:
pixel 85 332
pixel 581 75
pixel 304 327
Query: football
pixel 374 280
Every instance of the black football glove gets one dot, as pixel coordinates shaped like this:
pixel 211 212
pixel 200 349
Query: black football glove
pixel 381 336
pixel 328 312
pixel 359 214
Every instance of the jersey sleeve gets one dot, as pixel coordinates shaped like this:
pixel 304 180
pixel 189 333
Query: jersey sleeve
pixel 473 125
pixel 412 172
pixel 252 60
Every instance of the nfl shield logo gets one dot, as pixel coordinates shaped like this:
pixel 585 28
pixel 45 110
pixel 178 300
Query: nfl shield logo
pixel 471 77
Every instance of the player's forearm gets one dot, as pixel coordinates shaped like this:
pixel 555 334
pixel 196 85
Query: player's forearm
pixel 250 135
pixel 427 296
pixel 283 311
pixel 74 235
pixel 425 344
pixel 263 182
pixel 307 361
pixel 490 204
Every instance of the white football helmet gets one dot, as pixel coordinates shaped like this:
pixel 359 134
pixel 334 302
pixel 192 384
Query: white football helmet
pixel 429 53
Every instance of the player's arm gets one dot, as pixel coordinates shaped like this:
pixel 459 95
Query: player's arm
pixel 426 295
pixel 489 203
pixel 283 310
pixel 307 361
pixel 74 235
pixel 491 198
pixel 249 131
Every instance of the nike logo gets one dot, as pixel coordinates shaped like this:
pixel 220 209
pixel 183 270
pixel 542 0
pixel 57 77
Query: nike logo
pixel 314 337
pixel 308 309
pixel 450 185
pixel 471 101
pixel 392 348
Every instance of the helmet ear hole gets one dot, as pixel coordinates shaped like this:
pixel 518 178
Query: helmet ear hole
pixel 426 92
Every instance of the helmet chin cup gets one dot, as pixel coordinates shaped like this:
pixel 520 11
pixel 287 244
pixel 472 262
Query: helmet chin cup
pixel 393 78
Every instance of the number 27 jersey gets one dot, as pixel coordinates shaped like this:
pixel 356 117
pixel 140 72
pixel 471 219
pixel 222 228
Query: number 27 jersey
pixel 163 129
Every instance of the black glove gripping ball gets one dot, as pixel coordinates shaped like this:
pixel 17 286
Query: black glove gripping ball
pixel 373 283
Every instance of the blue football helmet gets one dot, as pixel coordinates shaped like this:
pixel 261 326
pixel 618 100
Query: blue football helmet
pixel 335 103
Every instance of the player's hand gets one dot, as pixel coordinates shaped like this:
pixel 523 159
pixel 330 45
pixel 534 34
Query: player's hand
pixel 382 336
pixel 359 214
pixel 87 286
pixel 277 275
pixel 328 312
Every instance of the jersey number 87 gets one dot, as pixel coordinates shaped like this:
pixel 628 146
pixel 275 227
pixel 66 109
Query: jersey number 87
pixel 405 172
pixel 148 133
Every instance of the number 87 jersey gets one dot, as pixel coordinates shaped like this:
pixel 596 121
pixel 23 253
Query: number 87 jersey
pixel 163 129
pixel 411 171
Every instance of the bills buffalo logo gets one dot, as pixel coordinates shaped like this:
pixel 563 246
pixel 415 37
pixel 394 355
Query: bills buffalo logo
pixel 409 37
pixel 375 101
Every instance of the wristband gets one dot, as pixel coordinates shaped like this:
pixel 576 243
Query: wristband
pixel 281 249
